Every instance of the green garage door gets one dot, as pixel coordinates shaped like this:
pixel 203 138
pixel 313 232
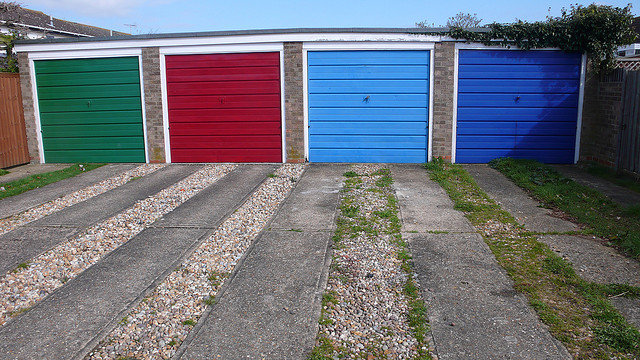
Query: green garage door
pixel 90 110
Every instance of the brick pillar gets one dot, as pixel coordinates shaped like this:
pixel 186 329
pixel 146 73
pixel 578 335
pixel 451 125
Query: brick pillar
pixel 443 83
pixel 153 104
pixel 293 100
pixel 29 111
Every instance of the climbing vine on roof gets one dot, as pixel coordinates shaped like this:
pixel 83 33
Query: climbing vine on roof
pixel 596 30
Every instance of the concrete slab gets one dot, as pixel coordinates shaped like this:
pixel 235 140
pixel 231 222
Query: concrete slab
pixel 108 204
pixel 474 312
pixel 593 260
pixel 311 207
pixel 25 201
pixel 629 308
pixel 270 306
pixel 243 174
pixel 617 193
pixel 74 318
pixel 25 242
pixel 426 206
pixel 517 202
pixel 22 171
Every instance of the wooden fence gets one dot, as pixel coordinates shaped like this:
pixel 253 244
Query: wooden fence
pixel 629 146
pixel 13 137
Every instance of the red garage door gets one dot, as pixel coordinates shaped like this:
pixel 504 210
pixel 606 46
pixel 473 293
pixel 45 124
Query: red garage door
pixel 224 107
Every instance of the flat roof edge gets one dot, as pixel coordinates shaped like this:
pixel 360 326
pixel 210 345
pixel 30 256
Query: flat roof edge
pixel 416 31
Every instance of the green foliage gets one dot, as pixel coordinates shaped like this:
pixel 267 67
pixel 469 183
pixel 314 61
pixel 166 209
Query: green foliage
pixel 597 30
pixel 3 172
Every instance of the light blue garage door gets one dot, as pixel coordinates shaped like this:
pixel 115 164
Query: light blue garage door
pixel 520 104
pixel 368 106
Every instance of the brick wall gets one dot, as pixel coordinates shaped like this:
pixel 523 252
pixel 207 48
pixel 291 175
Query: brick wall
pixel 153 103
pixel 293 101
pixel 601 118
pixel 443 83
pixel 29 111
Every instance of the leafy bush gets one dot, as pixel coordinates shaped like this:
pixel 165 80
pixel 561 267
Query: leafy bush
pixel 597 30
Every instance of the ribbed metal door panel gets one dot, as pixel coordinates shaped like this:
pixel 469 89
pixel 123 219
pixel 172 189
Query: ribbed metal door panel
pixel 224 107
pixel 368 106
pixel 90 110
pixel 520 104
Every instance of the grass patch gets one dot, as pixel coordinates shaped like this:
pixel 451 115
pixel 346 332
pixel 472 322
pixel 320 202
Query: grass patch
pixel 577 312
pixel 588 206
pixel 3 172
pixel 39 180
pixel 609 174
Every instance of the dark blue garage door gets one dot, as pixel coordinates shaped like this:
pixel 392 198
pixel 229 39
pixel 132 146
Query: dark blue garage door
pixel 368 106
pixel 520 104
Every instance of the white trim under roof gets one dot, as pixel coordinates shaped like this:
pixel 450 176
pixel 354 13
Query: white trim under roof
pixel 188 40
pixel 80 54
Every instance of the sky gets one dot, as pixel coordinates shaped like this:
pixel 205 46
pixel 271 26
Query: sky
pixel 163 16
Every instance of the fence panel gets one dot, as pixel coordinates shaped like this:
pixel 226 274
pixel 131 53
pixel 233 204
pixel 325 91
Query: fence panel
pixel 629 152
pixel 13 137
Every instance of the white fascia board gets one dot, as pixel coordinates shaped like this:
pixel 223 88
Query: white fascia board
pixel 220 49
pixel 80 54
pixel 373 45
pixel 236 39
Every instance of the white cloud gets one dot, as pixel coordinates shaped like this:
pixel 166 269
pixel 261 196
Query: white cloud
pixel 100 8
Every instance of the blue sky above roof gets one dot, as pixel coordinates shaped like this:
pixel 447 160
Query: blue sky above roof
pixel 160 16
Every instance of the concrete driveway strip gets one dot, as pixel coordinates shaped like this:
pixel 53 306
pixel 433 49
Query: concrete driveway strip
pixel 34 238
pixel 73 319
pixel 271 304
pixel 516 201
pixel 617 193
pixel 25 201
pixel 474 312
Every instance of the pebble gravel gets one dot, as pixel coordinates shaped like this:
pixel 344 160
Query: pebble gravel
pixel 9 223
pixel 160 323
pixel 365 310
pixel 28 284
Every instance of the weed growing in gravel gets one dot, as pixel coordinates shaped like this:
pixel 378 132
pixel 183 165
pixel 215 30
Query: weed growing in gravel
pixel 217 278
pixel 210 300
pixel 189 322
pixel 354 223
pixel 135 178
pixel 577 312
pixel 21 266
pixel 272 175
pixel 3 172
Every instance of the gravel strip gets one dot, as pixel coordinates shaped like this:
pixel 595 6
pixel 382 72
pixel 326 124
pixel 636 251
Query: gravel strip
pixel 364 313
pixel 160 323
pixel 27 285
pixel 40 211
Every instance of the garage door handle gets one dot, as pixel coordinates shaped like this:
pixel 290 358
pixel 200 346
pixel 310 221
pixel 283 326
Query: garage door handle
pixel 366 98
pixel 89 103
pixel 517 98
